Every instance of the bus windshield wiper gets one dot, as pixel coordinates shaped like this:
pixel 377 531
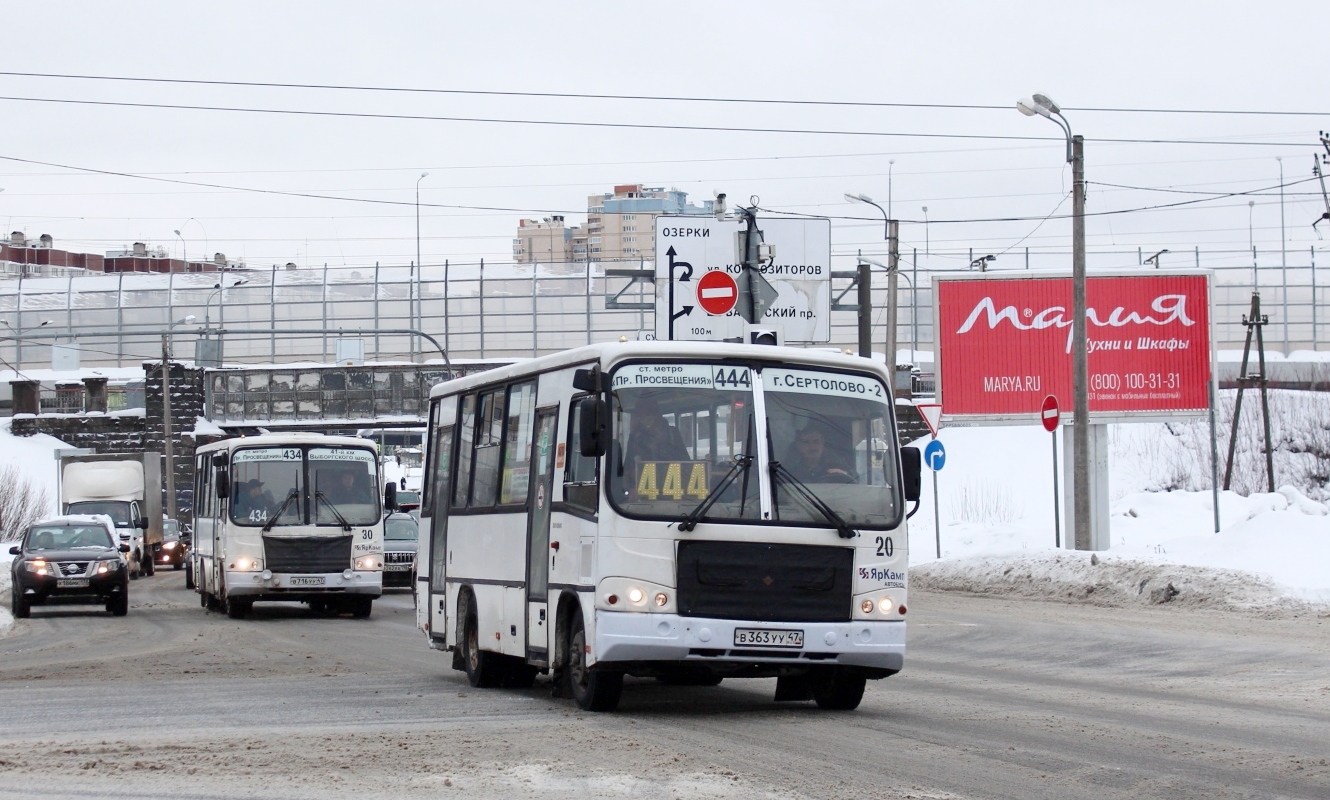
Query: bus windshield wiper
pixel 741 464
pixel 280 511
pixel 801 490
pixel 319 495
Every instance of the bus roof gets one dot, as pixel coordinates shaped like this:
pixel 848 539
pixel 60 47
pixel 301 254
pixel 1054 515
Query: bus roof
pixel 607 355
pixel 282 439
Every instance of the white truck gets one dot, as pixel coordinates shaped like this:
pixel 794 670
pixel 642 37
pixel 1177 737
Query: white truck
pixel 127 488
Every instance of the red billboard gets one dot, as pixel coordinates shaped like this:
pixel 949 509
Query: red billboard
pixel 1004 344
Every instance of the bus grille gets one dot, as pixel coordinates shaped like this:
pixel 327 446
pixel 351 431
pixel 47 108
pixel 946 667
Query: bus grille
pixel 307 553
pixel 765 582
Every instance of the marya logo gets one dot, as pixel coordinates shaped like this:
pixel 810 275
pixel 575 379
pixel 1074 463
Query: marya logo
pixel 1171 307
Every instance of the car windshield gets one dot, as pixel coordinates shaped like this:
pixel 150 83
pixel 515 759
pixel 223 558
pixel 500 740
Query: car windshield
pixel 299 486
pixel 408 498
pixel 828 434
pixel 68 537
pixel 680 432
pixel 170 527
pixel 401 529
pixel 117 510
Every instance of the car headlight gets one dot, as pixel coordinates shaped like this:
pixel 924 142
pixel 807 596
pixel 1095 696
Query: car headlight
pixel 106 567
pixel 38 566
pixel 369 562
pixel 169 546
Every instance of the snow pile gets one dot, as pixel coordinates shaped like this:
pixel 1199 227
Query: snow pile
pixel 6 618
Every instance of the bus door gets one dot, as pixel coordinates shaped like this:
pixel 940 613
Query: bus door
pixel 538 534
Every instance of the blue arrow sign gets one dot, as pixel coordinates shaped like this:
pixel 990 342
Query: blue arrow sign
pixel 935 455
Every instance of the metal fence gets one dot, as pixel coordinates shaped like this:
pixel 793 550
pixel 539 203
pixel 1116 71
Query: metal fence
pixel 504 310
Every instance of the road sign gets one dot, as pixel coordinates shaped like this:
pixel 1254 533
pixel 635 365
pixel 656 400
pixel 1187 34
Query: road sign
pixel 793 293
pixel 1049 413
pixel 717 292
pixel 932 414
pixel 935 455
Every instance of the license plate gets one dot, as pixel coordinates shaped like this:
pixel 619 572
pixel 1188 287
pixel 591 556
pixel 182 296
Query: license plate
pixel 306 581
pixel 396 567
pixel 72 583
pixel 763 637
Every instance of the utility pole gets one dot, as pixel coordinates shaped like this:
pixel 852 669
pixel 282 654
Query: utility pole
pixel 865 308
pixel 893 281
pixel 756 294
pixel 168 446
pixel 1080 356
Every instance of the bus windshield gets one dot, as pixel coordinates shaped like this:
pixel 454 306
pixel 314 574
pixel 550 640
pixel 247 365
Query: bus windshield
pixel 684 435
pixel 304 485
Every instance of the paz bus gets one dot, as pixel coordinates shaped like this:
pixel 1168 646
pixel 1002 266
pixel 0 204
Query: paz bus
pixel 685 511
pixel 291 516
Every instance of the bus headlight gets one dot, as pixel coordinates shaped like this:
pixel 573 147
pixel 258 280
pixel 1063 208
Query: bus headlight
pixel 630 594
pixel 246 564
pixel 886 604
pixel 369 562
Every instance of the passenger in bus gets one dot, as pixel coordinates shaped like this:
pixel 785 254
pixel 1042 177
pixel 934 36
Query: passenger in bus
pixel 811 463
pixel 254 502
pixel 351 489
pixel 651 438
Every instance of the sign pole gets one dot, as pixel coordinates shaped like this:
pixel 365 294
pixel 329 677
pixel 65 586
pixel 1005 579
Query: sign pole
pixel 937 518
pixel 1057 512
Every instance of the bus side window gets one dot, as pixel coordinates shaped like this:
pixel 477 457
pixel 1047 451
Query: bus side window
pixel 489 440
pixel 466 439
pixel 516 472
pixel 580 476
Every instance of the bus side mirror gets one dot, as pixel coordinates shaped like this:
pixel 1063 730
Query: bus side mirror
pixel 223 485
pixel 912 463
pixel 390 496
pixel 587 380
pixel 592 418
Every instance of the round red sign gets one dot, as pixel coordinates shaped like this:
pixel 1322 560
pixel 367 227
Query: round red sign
pixel 1049 413
pixel 717 292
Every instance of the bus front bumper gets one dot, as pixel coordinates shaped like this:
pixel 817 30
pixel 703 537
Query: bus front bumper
pixel 624 636
pixel 277 585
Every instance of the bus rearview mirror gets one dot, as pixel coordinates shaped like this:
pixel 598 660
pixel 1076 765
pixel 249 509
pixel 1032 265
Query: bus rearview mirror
pixel 593 416
pixel 912 472
pixel 223 485
pixel 390 496
pixel 587 380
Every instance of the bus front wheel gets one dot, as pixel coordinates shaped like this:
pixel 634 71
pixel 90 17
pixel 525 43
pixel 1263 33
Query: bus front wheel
pixel 593 690
pixel 838 690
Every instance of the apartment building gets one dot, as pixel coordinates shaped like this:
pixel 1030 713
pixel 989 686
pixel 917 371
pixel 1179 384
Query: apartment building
pixel 620 226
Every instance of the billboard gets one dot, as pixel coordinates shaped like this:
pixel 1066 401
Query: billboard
pixel 696 269
pixel 1004 344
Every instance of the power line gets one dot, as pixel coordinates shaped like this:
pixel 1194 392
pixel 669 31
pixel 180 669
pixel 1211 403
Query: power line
pixel 642 125
pixel 657 98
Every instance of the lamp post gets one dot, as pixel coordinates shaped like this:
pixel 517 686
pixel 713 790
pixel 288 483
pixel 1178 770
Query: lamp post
pixel 18 339
pixel 184 250
pixel 168 445
pixel 982 262
pixel 1251 244
pixel 926 231
pixel 1080 376
pixel 218 288
pixel 1154 259
pixel 891 229
pixel 412 304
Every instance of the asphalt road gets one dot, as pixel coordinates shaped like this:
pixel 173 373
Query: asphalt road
pixel 999 699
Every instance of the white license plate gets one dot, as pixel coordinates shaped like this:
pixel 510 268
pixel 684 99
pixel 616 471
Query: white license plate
pixel 396 567
pixel 306 581
pixel 762 637
pixel 71 583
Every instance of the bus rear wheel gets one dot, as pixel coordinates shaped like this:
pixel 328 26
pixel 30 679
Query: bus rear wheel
pixel 838 690
pixel 593 690
pixel 483 669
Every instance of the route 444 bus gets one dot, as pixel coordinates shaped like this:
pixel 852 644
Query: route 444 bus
pixel 685 511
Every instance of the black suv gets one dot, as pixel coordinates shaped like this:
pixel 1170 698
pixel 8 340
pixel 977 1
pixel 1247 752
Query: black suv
pixel 174 546
pixel 70 557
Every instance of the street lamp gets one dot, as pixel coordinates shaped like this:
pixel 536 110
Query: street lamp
pixel 1080 376
pixel 218 288
pixel 926 230
pixel 422 177
pixel 892 232
pixel 18 339
pixel 1154 259
pixel 168 445
pixel 982 262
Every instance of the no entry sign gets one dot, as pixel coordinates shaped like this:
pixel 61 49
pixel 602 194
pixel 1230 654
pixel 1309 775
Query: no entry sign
pixel 717 292
pixel 1050 413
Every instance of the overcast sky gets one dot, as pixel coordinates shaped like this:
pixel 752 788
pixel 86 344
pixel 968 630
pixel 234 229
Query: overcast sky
pixel 1231 56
